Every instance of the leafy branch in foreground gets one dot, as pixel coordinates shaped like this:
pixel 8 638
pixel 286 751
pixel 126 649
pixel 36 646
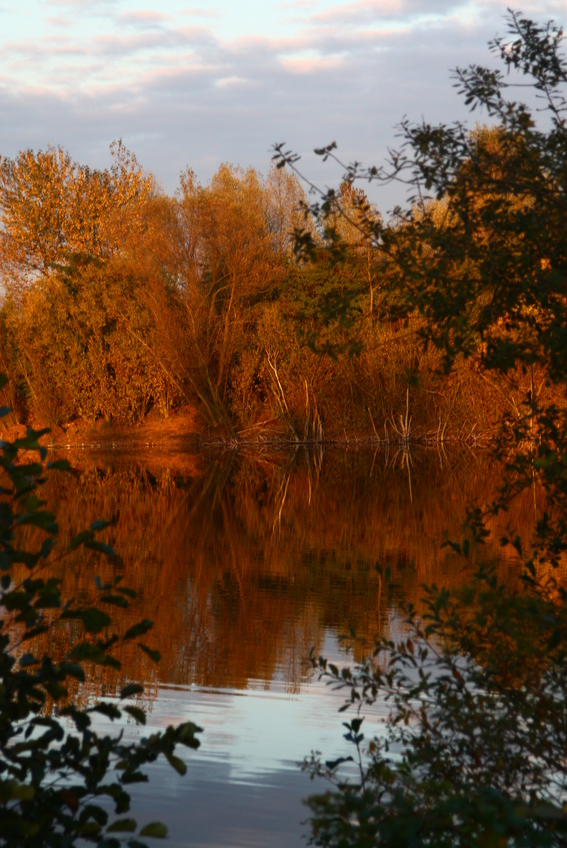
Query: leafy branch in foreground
pixel 59 778
pixel 473 747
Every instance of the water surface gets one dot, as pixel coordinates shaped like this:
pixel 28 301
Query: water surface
pixel 245 563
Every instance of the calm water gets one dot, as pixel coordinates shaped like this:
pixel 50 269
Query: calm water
pixel 244 564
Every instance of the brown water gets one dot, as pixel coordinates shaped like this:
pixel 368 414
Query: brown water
pixel 244 564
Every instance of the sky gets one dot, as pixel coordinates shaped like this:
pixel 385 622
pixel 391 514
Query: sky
pixel 197 84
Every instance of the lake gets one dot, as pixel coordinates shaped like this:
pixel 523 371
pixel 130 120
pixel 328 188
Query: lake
pixel 245 563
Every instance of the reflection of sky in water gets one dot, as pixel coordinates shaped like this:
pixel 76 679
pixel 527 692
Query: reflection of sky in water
pixel 255 733
pixel 244 786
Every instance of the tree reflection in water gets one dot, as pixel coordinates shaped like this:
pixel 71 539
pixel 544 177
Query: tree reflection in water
pixel 245 563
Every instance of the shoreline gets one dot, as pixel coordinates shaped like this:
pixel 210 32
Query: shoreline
pixel 184 432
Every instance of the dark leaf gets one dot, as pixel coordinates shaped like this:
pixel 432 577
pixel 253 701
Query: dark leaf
pixel 131 689
pixel 122 826
pixel 157 830
pixel 138 629
pixel 136 713
pixel 153 655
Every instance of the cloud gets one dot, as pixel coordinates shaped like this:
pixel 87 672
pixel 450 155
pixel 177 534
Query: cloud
pixel 369 11
pixel 298 4
pixel 143 19
pixel 226 82
pixel 202 13
pixel 83 4
pixel 180 95
pixel 311 65
pixel 59 21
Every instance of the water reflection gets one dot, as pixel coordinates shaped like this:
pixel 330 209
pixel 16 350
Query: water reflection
pixel 245 563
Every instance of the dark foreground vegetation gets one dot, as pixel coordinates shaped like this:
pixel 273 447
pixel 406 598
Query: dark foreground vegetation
pixel 62 782
pixel 473 750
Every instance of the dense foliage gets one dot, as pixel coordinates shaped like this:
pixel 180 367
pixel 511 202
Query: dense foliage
pixel 473 749
pixel 62 781
pixel 122 302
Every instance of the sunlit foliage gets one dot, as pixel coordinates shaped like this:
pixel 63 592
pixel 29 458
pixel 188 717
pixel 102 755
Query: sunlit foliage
pixel 120 302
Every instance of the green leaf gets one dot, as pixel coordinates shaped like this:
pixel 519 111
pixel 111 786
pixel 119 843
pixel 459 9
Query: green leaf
pixel 35 631
pixel 157 830
pixel 185 734
pixel 122 826
pixel 94 620
pixel 24 827
pixel 100 524
pixel 118 795
pixel 100 547
pixel 33 502
pixel 89 829
pixel 128 592
pixel 73 670
pixel 92 653
pixel 13 790
pixel 80 539
pixel 138 629
pixel 109 710
pixel 136 713
pixel 333 764
pixel 92 811
pixel 60 465
pixel 176 763
pixel 131 689
pixel 153 655
pixel 134 777
pixel 82 721
pixel 115 600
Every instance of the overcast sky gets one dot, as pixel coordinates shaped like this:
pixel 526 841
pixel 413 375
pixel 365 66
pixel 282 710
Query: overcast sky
pixel 222 80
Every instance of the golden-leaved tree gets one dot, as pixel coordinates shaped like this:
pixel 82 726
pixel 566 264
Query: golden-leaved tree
pixel 84 261
pixel 234 243
pixel 52 207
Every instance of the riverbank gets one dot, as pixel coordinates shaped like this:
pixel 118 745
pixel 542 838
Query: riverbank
pixel 185 428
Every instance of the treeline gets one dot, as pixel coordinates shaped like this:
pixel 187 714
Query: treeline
pixel 120 300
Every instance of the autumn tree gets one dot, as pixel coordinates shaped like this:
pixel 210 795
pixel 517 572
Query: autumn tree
pixel 52 207
pixel 234 244
pixel 88 274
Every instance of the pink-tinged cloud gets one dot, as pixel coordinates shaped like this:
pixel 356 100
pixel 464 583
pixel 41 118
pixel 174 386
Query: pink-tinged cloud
pixel 59 21
pixel 122 46
pixel 143 18
pixel 312 65
pixel 174 93
pixel 230 82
